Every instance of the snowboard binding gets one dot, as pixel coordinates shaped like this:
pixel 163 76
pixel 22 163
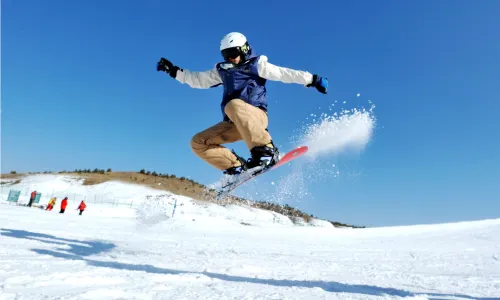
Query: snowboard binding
pixel 260 169
pixel 263 156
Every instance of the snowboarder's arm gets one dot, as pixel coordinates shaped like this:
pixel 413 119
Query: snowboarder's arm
pixel 199 80
pixel 270 71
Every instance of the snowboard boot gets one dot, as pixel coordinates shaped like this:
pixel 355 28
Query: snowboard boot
pixel 263 156
pixel 237 169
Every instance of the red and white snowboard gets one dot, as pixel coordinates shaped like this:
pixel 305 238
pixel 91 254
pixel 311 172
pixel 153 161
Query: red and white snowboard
pixel 288 157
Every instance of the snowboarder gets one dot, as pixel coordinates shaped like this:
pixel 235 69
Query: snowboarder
pixel 243 75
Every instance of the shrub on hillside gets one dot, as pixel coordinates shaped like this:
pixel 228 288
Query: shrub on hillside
pixel 338 224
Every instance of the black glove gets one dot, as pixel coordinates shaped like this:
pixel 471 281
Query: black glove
pixel 320 83
pixel 167 67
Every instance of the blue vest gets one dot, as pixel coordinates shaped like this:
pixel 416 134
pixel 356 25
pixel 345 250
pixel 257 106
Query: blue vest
pixel 243 82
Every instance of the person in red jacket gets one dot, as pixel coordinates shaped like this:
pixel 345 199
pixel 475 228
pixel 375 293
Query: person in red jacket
pixel 64 203
pixel 81 207
pixel 32 198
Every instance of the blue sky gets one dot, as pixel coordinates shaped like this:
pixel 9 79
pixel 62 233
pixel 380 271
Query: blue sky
pixel 80 90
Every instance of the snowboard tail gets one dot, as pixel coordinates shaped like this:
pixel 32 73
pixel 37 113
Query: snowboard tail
pixel 250 174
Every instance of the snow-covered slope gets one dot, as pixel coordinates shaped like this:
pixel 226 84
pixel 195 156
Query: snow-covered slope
pixel 130 200
pixel 138 252
pixel 47 255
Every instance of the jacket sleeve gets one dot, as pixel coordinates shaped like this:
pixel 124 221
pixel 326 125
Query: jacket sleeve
pixel 199 80
pixel 286 75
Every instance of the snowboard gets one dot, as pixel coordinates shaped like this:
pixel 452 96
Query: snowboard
pixel 250 174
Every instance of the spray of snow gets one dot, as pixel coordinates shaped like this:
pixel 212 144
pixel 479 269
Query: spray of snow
pixel 328 135
pixel 349 130
pixel 156 209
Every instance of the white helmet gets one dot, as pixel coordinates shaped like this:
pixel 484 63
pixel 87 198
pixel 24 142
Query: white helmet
pixel 232 39
pixel 234 44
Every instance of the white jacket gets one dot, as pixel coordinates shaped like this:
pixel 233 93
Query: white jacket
pixel 210 78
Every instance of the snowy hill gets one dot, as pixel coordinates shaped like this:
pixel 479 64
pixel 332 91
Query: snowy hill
pixel 127 246
pixel 130 200
pixel 109 254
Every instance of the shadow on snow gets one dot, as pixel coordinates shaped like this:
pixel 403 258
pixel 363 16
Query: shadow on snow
pixel 78 250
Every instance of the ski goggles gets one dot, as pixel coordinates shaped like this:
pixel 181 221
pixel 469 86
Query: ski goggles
pixel 230 53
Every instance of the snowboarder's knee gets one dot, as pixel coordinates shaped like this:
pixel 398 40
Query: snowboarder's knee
pixel 195 141
pixel 198 142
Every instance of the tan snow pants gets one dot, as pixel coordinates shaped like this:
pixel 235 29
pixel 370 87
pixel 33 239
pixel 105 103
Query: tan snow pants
pixel 249 123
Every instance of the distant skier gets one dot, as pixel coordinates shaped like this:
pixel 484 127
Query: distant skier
pixel 32 198
pixel 64 204
pixel 244 105
pixel 82 207
pixel 51 204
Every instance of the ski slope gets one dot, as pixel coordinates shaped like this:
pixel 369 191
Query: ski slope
pixel 123 252
pixel 115 198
